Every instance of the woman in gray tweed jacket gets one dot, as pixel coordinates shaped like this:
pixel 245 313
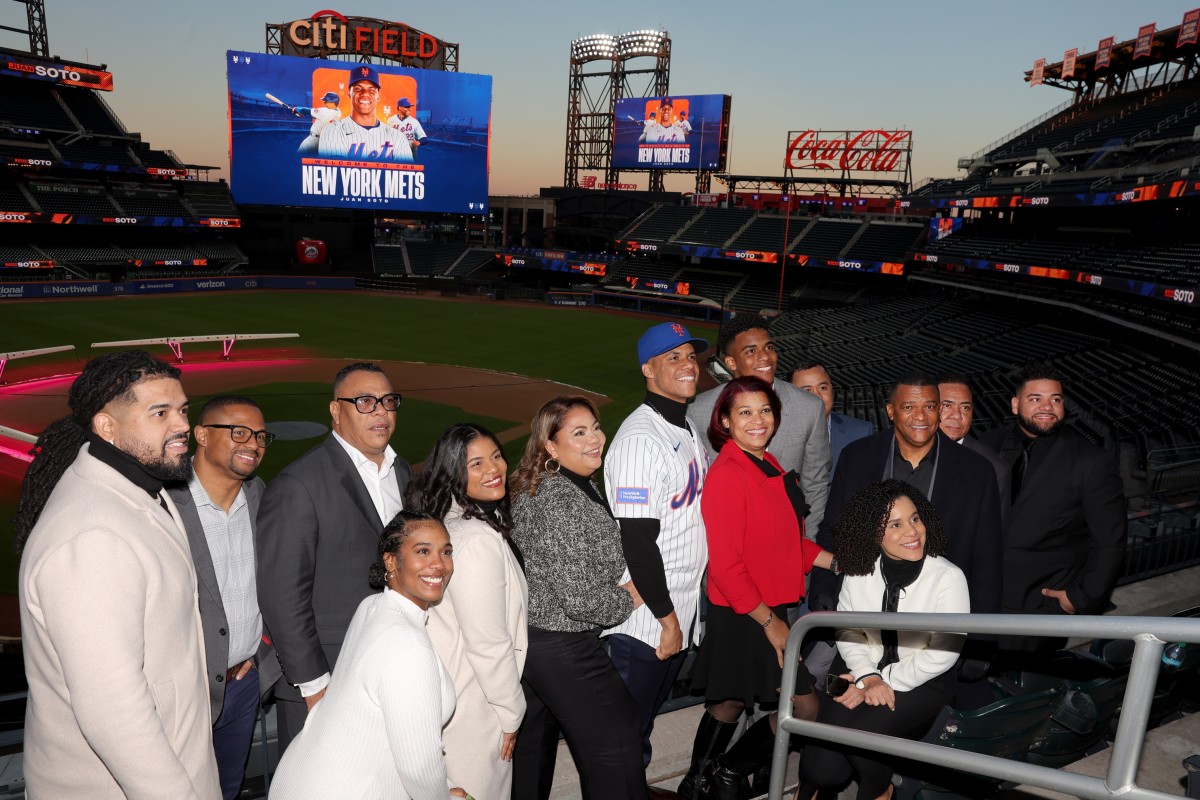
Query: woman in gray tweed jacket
pixel 573 561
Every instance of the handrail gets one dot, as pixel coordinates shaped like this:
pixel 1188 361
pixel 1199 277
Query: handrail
pixel 1149 634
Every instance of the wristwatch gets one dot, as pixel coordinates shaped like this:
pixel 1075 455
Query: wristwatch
pixel 859 684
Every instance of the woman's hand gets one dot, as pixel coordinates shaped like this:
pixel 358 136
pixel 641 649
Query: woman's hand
pixel 777 634
pixel 457 792
pixel 508 743
pixel 633 593
pixel 879 693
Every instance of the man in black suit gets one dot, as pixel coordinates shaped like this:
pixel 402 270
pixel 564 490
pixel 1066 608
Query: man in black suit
pixel 960 484
pixel 218 507
pixel 318 533
pixel 958 412
pixel 1066 532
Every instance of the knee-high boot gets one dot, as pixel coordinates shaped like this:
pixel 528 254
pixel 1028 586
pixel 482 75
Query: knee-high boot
pixel 727 778
pixel 712 737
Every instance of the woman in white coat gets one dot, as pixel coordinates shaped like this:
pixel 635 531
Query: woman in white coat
pixel 377 732
pixel 479 627
pixel 890 544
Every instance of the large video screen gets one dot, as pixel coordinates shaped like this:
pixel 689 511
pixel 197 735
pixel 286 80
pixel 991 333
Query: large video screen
pixel 334 134
pixel 683 132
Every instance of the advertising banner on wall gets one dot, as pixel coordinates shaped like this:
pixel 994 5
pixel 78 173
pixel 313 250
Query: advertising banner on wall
pixel 679 132
pixel 332 134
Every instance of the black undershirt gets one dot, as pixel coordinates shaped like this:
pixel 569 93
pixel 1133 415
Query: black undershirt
pixel 920 476
pixel 639 537
pixel 791 485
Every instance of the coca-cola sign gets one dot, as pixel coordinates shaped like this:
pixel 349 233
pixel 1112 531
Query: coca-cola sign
pixel 849 151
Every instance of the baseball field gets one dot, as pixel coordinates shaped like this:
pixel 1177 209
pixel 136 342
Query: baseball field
pixel 490 362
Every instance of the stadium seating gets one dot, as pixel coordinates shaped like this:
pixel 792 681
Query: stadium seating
pixel 715 227
pixel 432 258
pixel 209 199
pixel 472 261
pixel 73 198
pixel 885 241
pixel 150 202
pixel 660 224
pixel 713 285
pixel 826 238
pixel 156 158
pixel 389 259
pixel 91 111
pixel 767 233
pixel 12 198
pixel 31 104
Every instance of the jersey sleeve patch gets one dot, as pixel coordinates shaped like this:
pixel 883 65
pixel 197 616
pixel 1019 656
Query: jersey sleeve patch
pixel 633 495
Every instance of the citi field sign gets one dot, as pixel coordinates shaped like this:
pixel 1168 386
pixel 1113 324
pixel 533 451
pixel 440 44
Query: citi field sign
pixel 849 151
pixel 328 33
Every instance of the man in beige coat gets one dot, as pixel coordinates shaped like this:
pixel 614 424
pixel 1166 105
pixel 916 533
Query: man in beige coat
pixel 114 655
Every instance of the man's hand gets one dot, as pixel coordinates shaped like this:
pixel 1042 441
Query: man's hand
pixel 311 700
pixel 671 640
pixel 246 666
pixel 1061 596
pixel 508 743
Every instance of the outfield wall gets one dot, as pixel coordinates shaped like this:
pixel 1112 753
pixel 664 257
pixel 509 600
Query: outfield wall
pixel 21 291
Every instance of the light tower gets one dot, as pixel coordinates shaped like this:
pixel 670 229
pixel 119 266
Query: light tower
pixel 601 74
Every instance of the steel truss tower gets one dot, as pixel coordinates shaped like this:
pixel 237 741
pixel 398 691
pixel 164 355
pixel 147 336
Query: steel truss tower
pixel 601 74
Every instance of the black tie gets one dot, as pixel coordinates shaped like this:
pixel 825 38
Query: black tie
pixel 1020 467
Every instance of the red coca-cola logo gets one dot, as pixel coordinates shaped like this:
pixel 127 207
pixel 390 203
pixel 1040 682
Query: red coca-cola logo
pixel 862 151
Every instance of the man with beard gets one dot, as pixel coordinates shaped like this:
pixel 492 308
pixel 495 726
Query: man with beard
pixel 361 136
pixel 218 507
pixel 114 653
pixel 1066 530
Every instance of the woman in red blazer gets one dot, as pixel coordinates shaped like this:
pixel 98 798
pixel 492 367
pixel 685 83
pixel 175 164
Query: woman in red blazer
pixel 757 559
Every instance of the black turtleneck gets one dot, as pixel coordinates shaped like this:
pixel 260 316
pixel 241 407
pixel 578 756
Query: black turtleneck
pixel 129 467
pixel 897 574
pixel 673 412
pixel 588 488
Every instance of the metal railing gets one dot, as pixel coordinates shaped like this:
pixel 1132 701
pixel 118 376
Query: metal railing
pixel 1149 634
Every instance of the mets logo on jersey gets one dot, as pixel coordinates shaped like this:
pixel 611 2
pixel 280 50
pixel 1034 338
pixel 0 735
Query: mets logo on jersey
pixel 691 491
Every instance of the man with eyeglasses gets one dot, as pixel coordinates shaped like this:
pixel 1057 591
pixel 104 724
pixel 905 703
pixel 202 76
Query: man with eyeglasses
pixel 362 136
pixel 318 534
pixel 218 506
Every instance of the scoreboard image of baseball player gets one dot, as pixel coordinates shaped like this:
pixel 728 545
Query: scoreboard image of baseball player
pixel 349 148
pixel 680 132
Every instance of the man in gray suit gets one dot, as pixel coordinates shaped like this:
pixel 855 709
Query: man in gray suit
pixel 318 533
pixel 218 507
pixel 801 440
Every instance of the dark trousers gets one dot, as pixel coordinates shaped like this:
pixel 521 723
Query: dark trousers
pixel 825 767
pixel 571 684
pixel 648 680
pixel 233 731
pixel 289 719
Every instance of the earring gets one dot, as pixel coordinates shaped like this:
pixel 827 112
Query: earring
pixel 387 576
pixel 555 468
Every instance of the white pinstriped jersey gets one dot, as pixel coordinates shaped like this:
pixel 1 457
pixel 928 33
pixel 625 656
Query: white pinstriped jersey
pixel 409 126
pixel 321 117
pixel 347 139
pixel 655 470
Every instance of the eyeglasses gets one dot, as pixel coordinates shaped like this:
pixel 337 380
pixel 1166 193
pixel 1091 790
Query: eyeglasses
pixel 241 434
pixel 365 404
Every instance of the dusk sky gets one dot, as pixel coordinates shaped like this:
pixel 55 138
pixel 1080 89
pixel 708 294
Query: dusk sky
pixel 950 72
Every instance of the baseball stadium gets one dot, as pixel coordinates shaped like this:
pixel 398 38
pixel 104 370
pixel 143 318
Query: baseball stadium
pixel 354 222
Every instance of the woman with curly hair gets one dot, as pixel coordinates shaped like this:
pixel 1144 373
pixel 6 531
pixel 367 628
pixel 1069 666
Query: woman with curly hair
pixel 377 731
pixel 479 628
pixel 890 545
pixel 757 559
pixel 574 564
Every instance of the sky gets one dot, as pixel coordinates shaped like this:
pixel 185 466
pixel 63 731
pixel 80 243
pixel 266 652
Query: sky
pixel 950 72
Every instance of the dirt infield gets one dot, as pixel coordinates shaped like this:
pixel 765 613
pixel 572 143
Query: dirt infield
pixel 32 405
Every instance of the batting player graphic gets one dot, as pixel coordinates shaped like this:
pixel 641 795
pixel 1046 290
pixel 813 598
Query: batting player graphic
pixel 361 136
pixel 407 123
pixel 654 475
pixel 323 116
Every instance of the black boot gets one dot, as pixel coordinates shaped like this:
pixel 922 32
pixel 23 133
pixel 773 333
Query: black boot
pixel 712 737
pixel 726 780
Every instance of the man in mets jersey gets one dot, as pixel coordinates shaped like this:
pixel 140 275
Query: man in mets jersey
pixel 327 114
pixel 407 123
pixel 361 136
pixel 654 474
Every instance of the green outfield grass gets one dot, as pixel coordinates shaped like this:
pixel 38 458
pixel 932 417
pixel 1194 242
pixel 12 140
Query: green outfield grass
pixel 588 348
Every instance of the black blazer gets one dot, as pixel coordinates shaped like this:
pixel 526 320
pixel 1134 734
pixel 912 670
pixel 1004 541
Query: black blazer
pixel 212 610
pixel 966 499
pixel 1067 527
pixel 318 534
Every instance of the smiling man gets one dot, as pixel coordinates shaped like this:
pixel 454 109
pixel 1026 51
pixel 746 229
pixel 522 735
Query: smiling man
pixel 801 441
pixel 317 534
pixel 1066 529
pixel 114 654
pixel 654 475
pixel 362 136
pixel 218 507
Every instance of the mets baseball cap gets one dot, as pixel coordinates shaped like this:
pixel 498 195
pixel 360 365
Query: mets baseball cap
pixel 403 103
pixel 330 97
pixel 364 72
pixel 666 337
